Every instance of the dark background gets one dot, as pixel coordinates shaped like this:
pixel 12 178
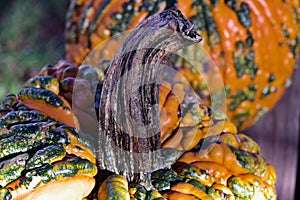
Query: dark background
pixel 31 36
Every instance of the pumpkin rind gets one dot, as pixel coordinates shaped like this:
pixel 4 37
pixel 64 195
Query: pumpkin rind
pixel 114 187
pixel 255 70
pixel 45 82
pixel 21 116
pixel 219 162
pixel 196 176
pixel 49 103
pixel 38 153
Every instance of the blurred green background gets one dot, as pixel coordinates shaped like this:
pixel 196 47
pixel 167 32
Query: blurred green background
pixel 31 36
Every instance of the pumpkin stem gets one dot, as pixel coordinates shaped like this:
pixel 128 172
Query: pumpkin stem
pixel 129 130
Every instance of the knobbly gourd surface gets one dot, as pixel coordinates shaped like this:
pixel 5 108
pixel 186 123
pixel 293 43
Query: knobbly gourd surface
pixel 254 47
pixel 38 150
pixel 219 162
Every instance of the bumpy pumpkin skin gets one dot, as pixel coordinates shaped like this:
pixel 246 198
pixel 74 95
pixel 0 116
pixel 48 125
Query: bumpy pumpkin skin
pixel 220 167
pixel 181 130
pixel 77 85
pixel 41 157
pixel 219 161
pixel 253 43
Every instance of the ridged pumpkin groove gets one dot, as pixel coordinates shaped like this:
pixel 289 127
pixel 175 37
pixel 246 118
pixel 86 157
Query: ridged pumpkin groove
pixel 253 43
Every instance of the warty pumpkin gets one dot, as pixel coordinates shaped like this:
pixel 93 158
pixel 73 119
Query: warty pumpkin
pixel 83 93
pixel 43 154
pixel 40 157
pixel 218 163
pixel 253 43
pixel 222 165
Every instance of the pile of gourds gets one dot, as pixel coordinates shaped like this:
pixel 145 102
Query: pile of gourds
pixel 44 156
pixel 48 129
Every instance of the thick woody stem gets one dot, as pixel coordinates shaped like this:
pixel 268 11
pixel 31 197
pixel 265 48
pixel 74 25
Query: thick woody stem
pixel 129 129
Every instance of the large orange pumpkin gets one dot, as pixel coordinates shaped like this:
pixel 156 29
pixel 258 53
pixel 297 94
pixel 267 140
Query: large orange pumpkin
pixel 253 43
pixel 43 158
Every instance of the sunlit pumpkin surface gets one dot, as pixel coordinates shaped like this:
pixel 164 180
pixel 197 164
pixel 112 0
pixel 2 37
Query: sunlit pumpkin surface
pixel 220 161
pixel 253 43
pixel 45 152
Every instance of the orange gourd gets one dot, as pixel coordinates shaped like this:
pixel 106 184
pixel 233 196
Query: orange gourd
pixel 253 43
